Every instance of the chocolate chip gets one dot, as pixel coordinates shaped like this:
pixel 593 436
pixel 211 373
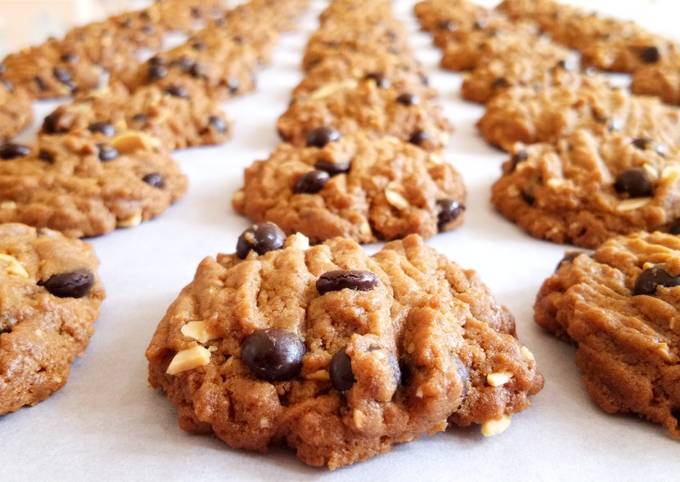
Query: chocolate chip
pixel 321 136
pixel 650 279
pixel 73 284
pixel 419 137
pixel 650 55
pixel 178 91
pixel 40 83
pixel 102 128
pixel 333 168
pixel 642 143
pixel 528 198
pixel 156 60
pixel 233 85
pixel 51 124
pixel 154 179
pixel 46 156
pixel 379 78
pixel 675 227
pixel 62 75
pixel 338 280
pixel 69 58
pixel 568 257
pixel 449 210
pixel 11 150
pixel 448 25
pixel 405 372
pixel 107 153
pixel 157 71
pixel 273 354
pixel 261 238
pixel 340 371
pixel 217 123
pixel 311 182
pixel 634 182
pixel 197 71
pixel 407 99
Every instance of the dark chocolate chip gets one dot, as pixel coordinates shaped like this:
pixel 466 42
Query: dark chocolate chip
pixel 340 371
pixel 675 227
pixel 102 128
pixel 197 71
pixel 157 71
pixel 339 279
pixel 407 99
pixel 311 182
pixel 321 136
pixel 406 373
pixel 379 78
pixel 568 257
pixel 156 60
pixel 650 55
pixel 107 153
pixel 449 210
pixel 261 238
pixel 178 91
pixel 419 137
pixel 528 198
pixel 333 168
pixel 62 75
pixel 634 182
pixel 11 150
pixel 273 354
pixel 154 179
pixel 46 156
pixel 51 124
pixel 650 279
pixel 73 284
pixel 217 123
pixel 642 142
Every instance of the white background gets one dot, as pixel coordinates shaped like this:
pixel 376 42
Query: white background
pixel 107 424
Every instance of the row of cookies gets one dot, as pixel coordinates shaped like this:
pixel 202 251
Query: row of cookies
pixel 603 162
pixel 334 353
pixel 363 104
pixel 598 164
pixel 103 161
pixel 86 180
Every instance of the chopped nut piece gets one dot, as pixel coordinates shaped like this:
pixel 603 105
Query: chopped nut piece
pixel 496 426
pixel 200 331
pixel 297 241
pixel 396 199
pixel 633 203
pixel 129 142
pixel 330 89
pixel 320 375
pixel 132 221
pixel 498 379
pixel 359 418
pixel 527 353
pixel 189 359
pixel 8 205
pixel 12 266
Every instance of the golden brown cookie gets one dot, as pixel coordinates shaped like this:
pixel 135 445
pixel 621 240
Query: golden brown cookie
pixel 585 188
pixel 621 307
pixel 355 187
pixel 86 184
pixel 50 294
pixel 334 353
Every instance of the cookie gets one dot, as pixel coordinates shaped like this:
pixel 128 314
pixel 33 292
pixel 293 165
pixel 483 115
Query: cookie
pixel 440 17
pixel 16 111
pixel 540 114
pixel 366 107
pixel 620 307
pixel 181 115
pixel 585 188
pixel 336 354
pixel 403 73
pixel 86 184
pixel 661 79
pixel 604 42
pixel 535 62
pixel 355 187
pixel 50 299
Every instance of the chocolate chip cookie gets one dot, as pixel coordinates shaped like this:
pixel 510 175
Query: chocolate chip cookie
pixel 336 354
pixel 353 186
pixel 620 306
pixel 544 114
pixel 87 184
pixel 587 188
pixel 365 106
pixel 50 296
pixel 604 42
pixel 180 115
pixel 16 111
